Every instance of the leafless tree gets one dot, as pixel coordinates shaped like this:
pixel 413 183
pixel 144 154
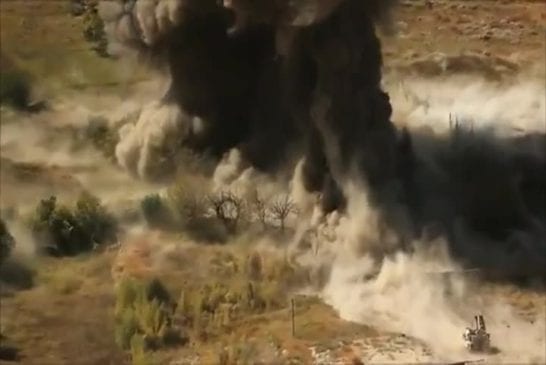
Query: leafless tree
pixel 281 209
pixel 193 207
pixel 260 207
pixel 228 208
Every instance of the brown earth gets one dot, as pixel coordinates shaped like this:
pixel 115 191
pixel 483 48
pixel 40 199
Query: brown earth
pixel 512 30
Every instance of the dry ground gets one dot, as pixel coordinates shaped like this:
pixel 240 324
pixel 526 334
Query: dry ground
pixel 67 318
pixel 513 30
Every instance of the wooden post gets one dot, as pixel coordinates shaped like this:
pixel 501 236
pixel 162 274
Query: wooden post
pixel 293 318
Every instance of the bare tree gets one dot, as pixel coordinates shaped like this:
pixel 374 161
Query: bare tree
pixel 281 209
pixel 228 208
pixel 192 207
pixel 260 207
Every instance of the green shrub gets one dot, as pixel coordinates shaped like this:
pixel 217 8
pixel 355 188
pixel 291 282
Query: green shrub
pixel 103 137
pixel 144 310
pixel 7 242
pixel 16 274
pixel 126 294
pixel 155 212
pixel 96 222
pixel 152 321
pixel 94 28
pixel 155 290
pixel 126 328
pixel 65 232
pixel 77 7
pixel 188 204
pixel 15 89
pixel 139 356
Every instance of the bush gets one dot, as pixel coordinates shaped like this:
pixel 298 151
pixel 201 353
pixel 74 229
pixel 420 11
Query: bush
pixel 7 242
pixel 97 224
pixel 155 212
pixel 139 356
pixel 144 310
pixel 103 137
pixel 65 232
pixel 190 206
pixel 214 308
pixel 229 209
pixel 15 89
pixel 94 28
pixel 77 7
pixel 16 275
pixel 190 213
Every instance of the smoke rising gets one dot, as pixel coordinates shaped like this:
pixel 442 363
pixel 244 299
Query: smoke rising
pixel 248 96
pixel 148 147
pixel 319 100
pixel 420 292
pixel 409 294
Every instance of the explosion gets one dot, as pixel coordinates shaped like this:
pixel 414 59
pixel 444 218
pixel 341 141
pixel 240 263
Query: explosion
pixel 285 81
pixel 271 79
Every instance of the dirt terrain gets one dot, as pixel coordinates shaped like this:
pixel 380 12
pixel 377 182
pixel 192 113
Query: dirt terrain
pixel 67 316
pixel 510 30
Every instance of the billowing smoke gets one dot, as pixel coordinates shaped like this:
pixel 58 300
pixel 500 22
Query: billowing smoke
pixel 280 81
pixel 291 77
pixel 425 296
pixel 148 147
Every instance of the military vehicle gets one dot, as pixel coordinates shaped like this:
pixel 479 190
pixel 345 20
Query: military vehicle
pixel 477 339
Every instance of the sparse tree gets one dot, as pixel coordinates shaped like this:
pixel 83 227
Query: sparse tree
pixel 7 242
pixel 260 207
pixel 94 27
pixel 154 210
pixel 192 207
pixel 228 208
pixel 281 208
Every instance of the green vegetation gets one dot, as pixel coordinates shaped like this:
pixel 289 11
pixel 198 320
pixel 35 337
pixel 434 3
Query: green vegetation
pixel 143 318
pixel 94 28
pixel 7 242
pixel 236 288
pixel 155 212
pixel 15 89
pixel 103 137
pixel 139 355
pixel 14 272
pixel 67 232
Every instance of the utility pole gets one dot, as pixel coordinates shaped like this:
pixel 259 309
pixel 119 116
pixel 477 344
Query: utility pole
pixel 293 305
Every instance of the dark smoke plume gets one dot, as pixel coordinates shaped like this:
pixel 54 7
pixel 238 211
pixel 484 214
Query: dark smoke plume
pixel 265 76
pixel 278 79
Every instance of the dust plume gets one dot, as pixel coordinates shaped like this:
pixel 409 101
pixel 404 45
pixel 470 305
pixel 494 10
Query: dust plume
pixel 415 295
pixel 422 103
pixel 415 288
pixel 148 147
pixel 268 88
